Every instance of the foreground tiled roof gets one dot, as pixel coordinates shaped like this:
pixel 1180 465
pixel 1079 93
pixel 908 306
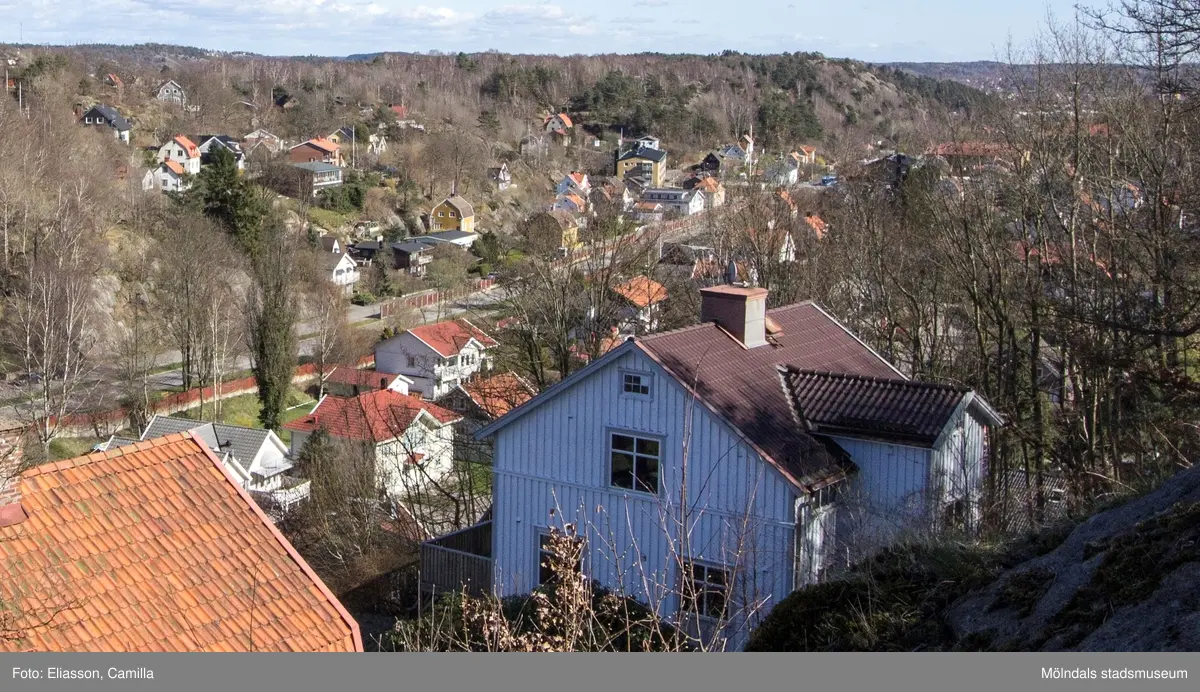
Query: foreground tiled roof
pixel 498 394
pixel 449 337
pixel 152 547
pixel 374 417
pixel 744 386
pixel 641 291
pixel 838 403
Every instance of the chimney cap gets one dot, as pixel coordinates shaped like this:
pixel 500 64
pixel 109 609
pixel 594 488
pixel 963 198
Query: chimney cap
pixel 735 291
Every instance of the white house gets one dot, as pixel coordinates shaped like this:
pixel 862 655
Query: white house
pixel 412 441
pixel 257 459
pixel 210 143
pixel 343 270
pixel 674 199
pixel 167 176
pixel 463 239
pixel 171 92
pixel 780 440
pixel 183 151
pixel 501 175
pixel 643 298
pixel 436 357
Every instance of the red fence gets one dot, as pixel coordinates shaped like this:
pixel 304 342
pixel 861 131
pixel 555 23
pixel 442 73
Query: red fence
pixel 424 299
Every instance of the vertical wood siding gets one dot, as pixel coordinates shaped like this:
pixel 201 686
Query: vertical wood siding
pixel 551 467
pixel 884 499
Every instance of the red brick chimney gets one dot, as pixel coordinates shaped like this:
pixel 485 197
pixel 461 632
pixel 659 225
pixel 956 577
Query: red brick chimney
pixel 11 455
pixel 740 310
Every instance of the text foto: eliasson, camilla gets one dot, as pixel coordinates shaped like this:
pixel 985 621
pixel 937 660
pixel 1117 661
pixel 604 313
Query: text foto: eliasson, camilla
pixel 55 673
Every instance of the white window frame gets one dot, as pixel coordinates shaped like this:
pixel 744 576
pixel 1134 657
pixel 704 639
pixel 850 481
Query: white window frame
pixel 646 381
pixel 610 451
pixel 707 587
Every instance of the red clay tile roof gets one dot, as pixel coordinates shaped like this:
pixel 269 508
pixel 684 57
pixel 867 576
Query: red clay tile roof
pixel 641 291
pixel 808 150
pixel 153 547
pixel 449 337
pixel 376 416
pixel 578 178
pixel 400 111
pixel 708 184
pixel 499 394
pixel 174 166
pixel 577 200
pixel 193 152
pixel 745 388
pixel 837 403
pixel 362 378
pixel 566 119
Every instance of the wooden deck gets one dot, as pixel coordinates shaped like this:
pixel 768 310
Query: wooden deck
pixel 459 560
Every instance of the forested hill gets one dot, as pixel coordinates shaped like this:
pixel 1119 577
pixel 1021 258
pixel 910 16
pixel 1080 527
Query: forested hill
pixel 688 100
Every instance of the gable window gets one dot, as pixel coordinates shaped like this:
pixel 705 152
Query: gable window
pixel 547 554
pixel 453 214
pixel 704 589
pixel 635 383
pixel 635 463
pixel 441 214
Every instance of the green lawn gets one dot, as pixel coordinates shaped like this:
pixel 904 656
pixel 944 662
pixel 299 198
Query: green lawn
pixel 71 447
pixel 243 410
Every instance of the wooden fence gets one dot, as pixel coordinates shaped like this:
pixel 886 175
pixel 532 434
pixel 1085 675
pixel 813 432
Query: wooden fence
pixel 424 299
pixel 459 560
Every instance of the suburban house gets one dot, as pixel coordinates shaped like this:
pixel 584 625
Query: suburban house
pixel 480 401
pixel 613 195
pixel 183 151
pixel 330 243
pixel 558 127
pixel 453 214
pixel 501 176
pixel 786 171
pixel 167 176
pixel 808 155
pixel 643 298
pixel 171 92
pixel 256 458
pixel 210 143
pixel 818 225
pixel 713 163
pixel 571 203
pixel 462 239
pixel 350 382
pixel 649 165
pixel 412 257
pixel 647 212
pixel 374 143
pixel 676 199
pixel 101 115
pixel 551 232
pixel 712 189
pixel 574 183
pixel 646 142
pixel 436 357
pixel 262 138
pixel 788 446
pixel 316 151
pixel 342 270
pixel 153 547
pixel 315 176
pixel 410 440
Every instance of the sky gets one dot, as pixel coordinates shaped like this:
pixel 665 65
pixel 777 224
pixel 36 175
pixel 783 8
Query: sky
pixel 869 30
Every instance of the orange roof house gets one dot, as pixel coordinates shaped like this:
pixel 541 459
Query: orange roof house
pixel 153 547
pixel 377 416
pixel 497 395
pixel 174 167
pixel 189 147
pixel 817 224
pixel 449 337
pixel 641 291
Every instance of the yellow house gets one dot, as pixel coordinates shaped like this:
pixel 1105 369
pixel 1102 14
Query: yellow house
pixel 552 231
pixel 455 214
pixel 648 164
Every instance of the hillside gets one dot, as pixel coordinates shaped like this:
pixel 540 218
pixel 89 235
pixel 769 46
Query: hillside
pixel 1123 580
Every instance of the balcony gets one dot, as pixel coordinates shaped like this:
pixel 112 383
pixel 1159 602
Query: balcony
pixel 458 561
pixel 279 500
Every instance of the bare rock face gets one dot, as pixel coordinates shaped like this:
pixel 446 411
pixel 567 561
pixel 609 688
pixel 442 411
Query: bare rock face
pixel 1124 580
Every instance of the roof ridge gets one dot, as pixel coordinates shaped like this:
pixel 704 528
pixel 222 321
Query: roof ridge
pixel 101 455
pixel 881 380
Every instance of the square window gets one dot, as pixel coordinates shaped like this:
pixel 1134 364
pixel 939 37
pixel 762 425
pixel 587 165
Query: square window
pixel 546 554
pixel 635 384
pixel 704 589
pixel 635 463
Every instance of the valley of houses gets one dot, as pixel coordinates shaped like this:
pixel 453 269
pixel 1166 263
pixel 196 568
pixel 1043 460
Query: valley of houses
pixel 784 444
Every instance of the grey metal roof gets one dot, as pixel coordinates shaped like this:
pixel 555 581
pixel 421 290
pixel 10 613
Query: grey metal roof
pixel 242 443
pixel 412 247
pixel 115 441
pixel 111 115
pixel 451 236
pixel 166 425
pixel 655 155
pixel 317 166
